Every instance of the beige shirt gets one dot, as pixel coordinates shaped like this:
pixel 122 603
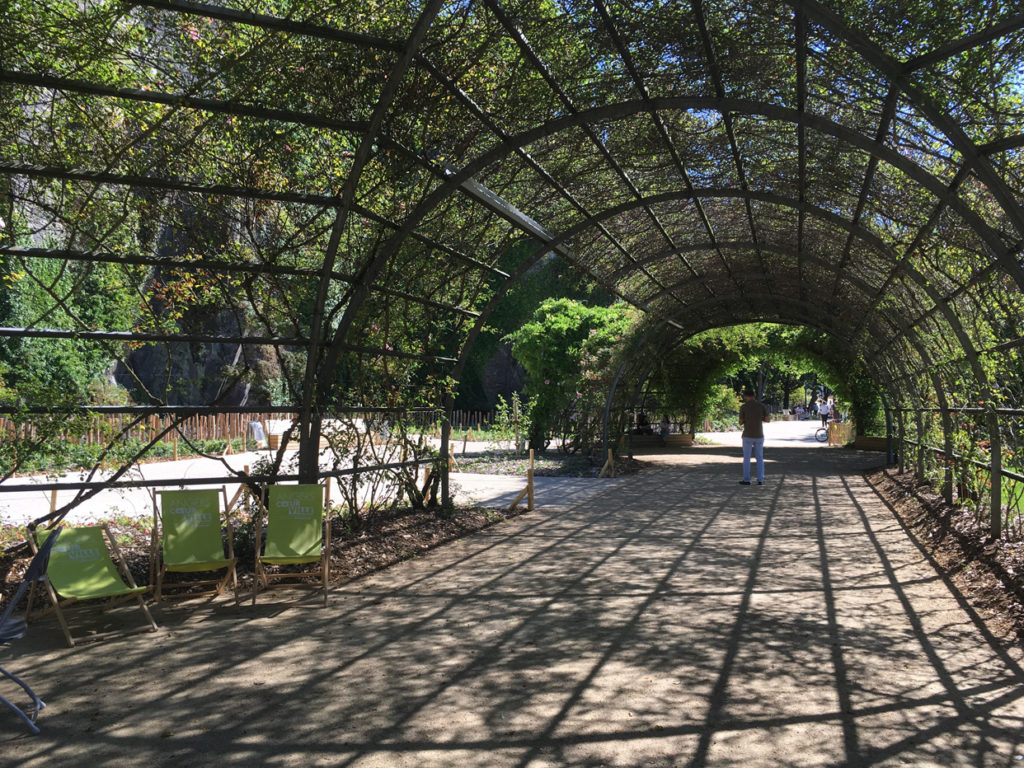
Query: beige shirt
pixel 752 416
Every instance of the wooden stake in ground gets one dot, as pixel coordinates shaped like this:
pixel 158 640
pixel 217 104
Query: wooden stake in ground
pixel 527 491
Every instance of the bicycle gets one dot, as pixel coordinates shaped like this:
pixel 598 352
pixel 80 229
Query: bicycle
pixel 821 433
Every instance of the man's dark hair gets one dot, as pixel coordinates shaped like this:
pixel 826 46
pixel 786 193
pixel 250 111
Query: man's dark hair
pixel 748 393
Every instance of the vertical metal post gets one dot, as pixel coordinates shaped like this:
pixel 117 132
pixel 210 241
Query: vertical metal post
pixel 947 465
pixel 890 458
pixel 919 418
pixel 901 427
pixel 446 429
pixel 995 444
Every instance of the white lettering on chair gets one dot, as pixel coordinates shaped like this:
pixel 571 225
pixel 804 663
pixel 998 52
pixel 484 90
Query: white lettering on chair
pixel 77 553
pixel 191 515
pixel 294 509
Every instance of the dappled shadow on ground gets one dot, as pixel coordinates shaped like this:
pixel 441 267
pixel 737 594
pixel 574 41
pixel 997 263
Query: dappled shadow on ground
pixel 676 619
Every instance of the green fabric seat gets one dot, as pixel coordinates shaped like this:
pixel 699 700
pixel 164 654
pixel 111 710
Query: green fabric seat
pixel 191 540
pixel 294 535
pixel 81 568
pixel 294 524
pixel 191 529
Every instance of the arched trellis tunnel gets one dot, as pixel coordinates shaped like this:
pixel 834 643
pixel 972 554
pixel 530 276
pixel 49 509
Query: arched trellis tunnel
pixel 332 193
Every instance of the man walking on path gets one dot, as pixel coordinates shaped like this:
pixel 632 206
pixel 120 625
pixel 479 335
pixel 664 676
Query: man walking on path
pixel 825 410
pixel 752 415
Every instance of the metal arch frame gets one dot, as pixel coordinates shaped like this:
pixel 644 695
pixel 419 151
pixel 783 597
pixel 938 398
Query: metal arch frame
pixel 560 238
pixel 915 245
pixel 275 23
pixel 525 48
pixel 802 9
pixel 974 161
pixel 312 389
pixel 620 109
pixel 788 250
pixel 835 25
pixel 929 182
pixel 826 326
pixel 623 50
pixel 210 265
pixel 977 279
pixel 899 74
pixel 858 283
pixel 179 100
pixel 697 7
pixel 871 239
pixel 951 319
pixel 645 339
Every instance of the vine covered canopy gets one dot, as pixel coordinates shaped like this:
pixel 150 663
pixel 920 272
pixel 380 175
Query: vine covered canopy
pixel 341 182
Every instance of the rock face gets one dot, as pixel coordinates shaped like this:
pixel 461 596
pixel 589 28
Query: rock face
pixel 503 375
pixel 185 373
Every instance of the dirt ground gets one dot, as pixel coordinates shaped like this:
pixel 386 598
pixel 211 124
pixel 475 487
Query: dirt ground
pixel 679 619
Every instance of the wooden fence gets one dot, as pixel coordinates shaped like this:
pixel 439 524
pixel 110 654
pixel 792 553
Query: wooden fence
pixel 220 426
pixel 106 427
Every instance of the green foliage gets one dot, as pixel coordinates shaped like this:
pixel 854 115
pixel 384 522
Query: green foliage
pixel 688 379
pixel 567 350
pixel 550 278
pixel 513 420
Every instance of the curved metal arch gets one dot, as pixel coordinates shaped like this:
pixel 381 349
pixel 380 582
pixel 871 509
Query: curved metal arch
pixel 820 124
pixel 797 319
pixel 898 75
pixel 908 270
pixel 623 109
pixel 510 145
pixel 814 311
pixel 313 380
pixel 795 204
pixel 797 311
pixel 782 250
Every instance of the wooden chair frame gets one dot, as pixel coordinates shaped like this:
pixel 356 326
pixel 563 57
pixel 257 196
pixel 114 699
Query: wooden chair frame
pixel 58 604
pixel 160 590
pixel 300 579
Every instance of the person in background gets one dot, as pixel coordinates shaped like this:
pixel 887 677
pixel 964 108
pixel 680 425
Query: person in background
pixel 825 410
pixel 665 427
pixel 753 415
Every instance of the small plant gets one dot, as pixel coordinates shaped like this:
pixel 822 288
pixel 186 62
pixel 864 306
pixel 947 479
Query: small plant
pixel 512 421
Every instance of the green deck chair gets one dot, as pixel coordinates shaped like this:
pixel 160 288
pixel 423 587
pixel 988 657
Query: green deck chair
pixel 188 529
pixel 294 536
pixel 81 569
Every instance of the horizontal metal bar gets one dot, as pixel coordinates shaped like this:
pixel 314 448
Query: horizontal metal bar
pixel 214 265
pixel 150 182
pixel 275 23
pixel 187 481
pixel 393 353
pixel 322 201
pixel 199 410
pixel 953 47
pixel 420 237
pixel 153 338
pixel 936 449
pixel 999 411
pixel 181 100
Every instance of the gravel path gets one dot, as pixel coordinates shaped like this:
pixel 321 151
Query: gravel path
pixel 676 619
